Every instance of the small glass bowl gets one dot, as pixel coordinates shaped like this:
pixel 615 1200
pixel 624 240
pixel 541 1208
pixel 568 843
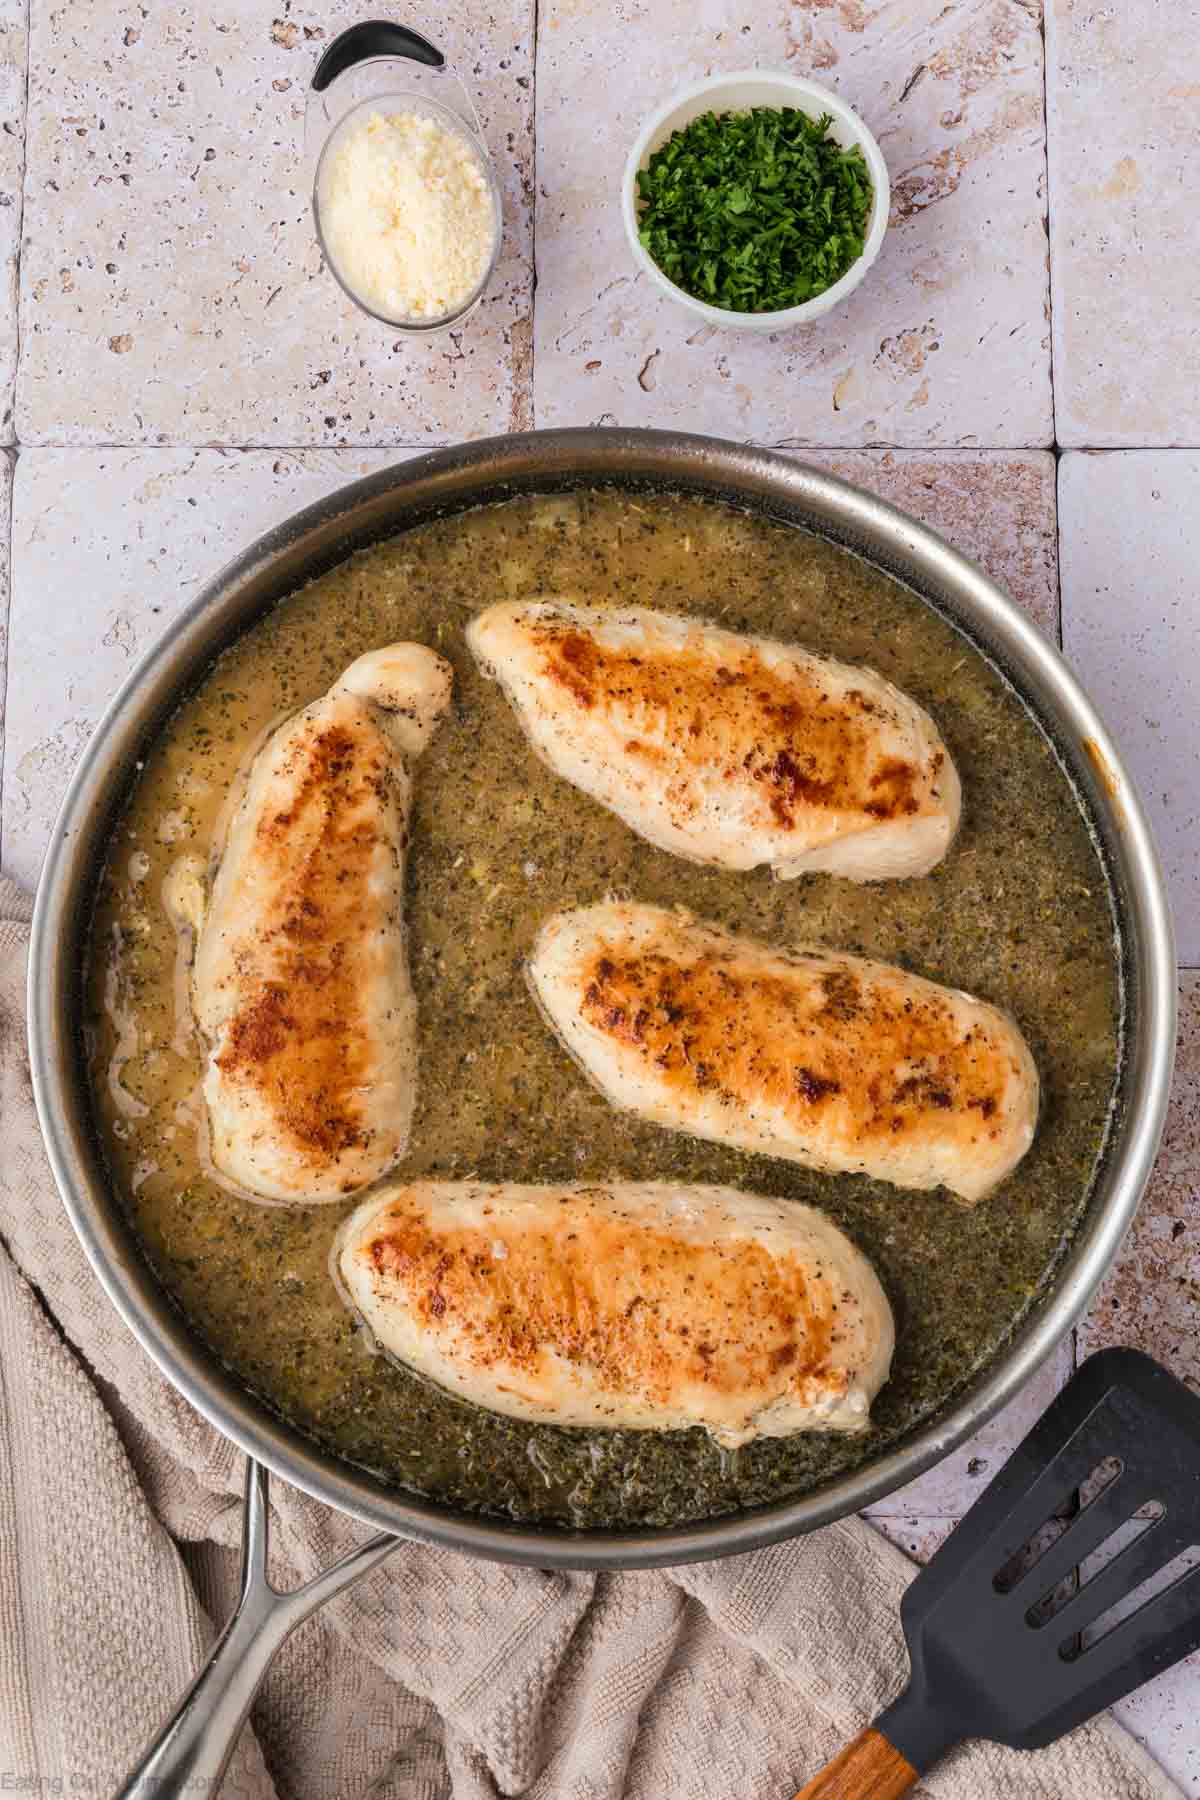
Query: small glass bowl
pixel 382 67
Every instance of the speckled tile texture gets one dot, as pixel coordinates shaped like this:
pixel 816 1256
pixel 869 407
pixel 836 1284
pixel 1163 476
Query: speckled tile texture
pixel 1162 1716
pixel 1131 628
pixel 172 290
pixel 997 507
pixel 13 46
pixel 917 1537
pixel 6 479
pixel 1123 91
pixel 110 546
pixel 946 341
pixel 1152 1298
pixel 1152 1301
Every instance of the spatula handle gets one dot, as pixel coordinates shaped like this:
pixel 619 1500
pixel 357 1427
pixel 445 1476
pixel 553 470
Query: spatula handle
pixel 868 1769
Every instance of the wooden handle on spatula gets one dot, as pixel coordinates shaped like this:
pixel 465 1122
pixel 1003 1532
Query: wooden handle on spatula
pixel 867 1769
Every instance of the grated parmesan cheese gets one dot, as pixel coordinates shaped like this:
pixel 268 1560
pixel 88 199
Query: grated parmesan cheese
pixel 407 215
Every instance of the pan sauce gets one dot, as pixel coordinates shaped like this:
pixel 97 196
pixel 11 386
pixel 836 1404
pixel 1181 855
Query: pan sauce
pixel 1019 913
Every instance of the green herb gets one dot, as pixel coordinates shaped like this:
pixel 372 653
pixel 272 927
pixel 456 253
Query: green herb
pixel 754 211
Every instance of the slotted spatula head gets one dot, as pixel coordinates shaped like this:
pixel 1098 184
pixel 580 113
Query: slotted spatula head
pixel 1073 1579
pixel 1030 1619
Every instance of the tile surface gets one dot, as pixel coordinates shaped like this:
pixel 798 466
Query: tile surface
pixel 1152 1301
pixel 6 477
pixel 108 547
pixel 1130 539
pixel 1130 525
pixel 997 507
pixel 1123 93
pixel 13 37
pixel 1162 1716
pixel 171 286
pixel 1152 1298
pixel 917 1537
pixel 946 341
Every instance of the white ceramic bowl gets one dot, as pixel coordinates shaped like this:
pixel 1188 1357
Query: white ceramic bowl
pixel 738 93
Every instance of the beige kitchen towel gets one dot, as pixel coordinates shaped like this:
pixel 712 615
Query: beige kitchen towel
pixel 436 1678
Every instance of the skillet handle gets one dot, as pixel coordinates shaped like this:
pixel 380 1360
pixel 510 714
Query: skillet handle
pixel 868 1769
pixel 190 1753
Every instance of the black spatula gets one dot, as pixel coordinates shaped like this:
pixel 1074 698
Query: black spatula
pixel 1067 1585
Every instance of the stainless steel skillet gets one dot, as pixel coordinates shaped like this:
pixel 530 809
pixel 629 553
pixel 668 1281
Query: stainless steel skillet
pixel 377 508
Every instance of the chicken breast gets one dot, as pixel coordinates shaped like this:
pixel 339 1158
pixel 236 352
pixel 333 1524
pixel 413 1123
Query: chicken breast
pixel 815 1056
pixel 726 749
pixel 640 1305
pixel 300 986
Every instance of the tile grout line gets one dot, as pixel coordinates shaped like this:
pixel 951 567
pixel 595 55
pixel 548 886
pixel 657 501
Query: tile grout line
pixel 1057 451
pixel 1055 447
pixel 99 447
pixel 431 445
pixel 1048 33
pixel 533 210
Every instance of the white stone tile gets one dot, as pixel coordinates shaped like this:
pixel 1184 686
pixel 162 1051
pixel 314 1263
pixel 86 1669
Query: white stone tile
pixel 6 477
pixel 108 546
pixel 917 1537
pixel 1122 90
pixel 946 341
pixel 1152 1298
pixel 1129 525
pixel 996 506
pixel 1163 1717
pixel 171 286
pixel 952 1486
pixel 12 139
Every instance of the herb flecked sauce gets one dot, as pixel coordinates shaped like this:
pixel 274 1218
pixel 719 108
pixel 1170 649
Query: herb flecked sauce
pixel 1019 913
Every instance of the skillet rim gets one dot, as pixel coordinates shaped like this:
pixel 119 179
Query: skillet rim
pixel 389 501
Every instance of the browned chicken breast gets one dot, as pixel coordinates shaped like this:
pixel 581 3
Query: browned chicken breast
pixel 816 1056
pixel 722 748
pixel 640 1305
pixel 300 985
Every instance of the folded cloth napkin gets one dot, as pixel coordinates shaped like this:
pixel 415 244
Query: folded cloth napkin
pixel 436 1678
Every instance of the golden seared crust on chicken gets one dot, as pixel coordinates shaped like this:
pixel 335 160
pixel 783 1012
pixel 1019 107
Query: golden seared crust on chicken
pixel 300 984
pixel 816 1056
pixel 723 748
pixel 640 1305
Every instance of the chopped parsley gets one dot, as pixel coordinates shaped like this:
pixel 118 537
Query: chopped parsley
pixel 754 211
